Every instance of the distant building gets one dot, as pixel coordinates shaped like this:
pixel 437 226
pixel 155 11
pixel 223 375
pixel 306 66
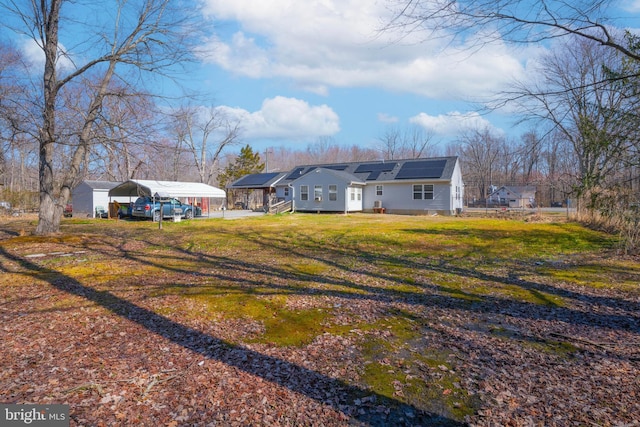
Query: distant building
pixel 514 196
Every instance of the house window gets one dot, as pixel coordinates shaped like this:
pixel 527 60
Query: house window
pixel 423 192
pixel 428 191
pixel 333 193
pixel 359 193
pixel 286 192
pixel 304 192
pixel 457 192
pixel 378 190
pixel 352 194
pixel 317 193
pixel 417 192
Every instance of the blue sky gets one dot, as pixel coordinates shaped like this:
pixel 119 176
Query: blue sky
pixel 294 71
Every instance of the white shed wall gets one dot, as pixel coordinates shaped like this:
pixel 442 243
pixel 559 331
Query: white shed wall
pixel 84 199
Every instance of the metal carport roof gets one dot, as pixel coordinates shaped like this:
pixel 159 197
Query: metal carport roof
pixel 140 187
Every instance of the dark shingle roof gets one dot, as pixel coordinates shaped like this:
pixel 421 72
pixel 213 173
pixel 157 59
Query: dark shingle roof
pixel 258 180
pixel 437 168
pixel 431 168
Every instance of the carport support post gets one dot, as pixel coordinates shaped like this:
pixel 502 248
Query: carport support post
pixel 160 220
pixel 162 197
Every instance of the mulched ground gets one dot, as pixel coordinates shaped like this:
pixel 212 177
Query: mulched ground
pixel 109 354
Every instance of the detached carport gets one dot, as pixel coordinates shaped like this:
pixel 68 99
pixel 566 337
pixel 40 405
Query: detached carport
pixel 194 193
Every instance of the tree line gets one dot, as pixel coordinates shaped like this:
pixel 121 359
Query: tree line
pixel 90 109
pixel 583 102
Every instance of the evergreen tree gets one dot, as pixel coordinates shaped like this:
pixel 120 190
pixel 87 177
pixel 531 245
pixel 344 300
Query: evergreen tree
pixel 246 163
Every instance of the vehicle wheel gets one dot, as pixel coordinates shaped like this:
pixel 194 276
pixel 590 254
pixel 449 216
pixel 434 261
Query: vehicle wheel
pixel 188 214
pixel 156 216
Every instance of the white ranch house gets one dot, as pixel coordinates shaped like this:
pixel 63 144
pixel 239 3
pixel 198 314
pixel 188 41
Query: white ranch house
pixel 416 186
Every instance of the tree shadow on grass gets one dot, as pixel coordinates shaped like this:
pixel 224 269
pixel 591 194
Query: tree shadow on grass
pixel 237 271
pixel 625 319
pixel 329 391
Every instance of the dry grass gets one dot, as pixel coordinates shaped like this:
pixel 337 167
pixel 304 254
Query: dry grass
pixel 414 315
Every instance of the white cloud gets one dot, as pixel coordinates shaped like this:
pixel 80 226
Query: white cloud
pixel 386 118
pixel 453 123
pixel 286 118
pixel 35 56
pixel 632 6
pixel 320 44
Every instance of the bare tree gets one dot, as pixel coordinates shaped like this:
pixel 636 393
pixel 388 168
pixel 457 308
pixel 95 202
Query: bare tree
pixel 8 57
pixel 145 35
pixel 194 127
pixel 517 21
pixel 128 125
pixel 596 115
pixel 323 150
pixel 419 142
pixel 390 143
pixel 561 166
pixel 18 165
pixel 480 150
pixel 529 154
pixel 405 143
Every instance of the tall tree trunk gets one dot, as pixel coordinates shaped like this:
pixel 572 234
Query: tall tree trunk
pixel 50 211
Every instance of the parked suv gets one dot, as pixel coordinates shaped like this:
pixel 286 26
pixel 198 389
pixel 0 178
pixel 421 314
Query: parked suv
pixel 145 207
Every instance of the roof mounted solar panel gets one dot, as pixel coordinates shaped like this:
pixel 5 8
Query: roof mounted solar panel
pixel 335 167
pixel 258 179
pixel 297 173
pixel 375 169
pixel 303 170
pixel 425 169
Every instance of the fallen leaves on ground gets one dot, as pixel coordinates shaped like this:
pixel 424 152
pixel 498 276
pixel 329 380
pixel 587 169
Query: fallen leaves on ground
pixel 122 353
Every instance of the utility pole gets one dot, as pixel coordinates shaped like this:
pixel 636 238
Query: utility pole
pixel 266 159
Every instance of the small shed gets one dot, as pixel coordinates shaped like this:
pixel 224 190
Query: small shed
pixel 90 196
pixel 194 193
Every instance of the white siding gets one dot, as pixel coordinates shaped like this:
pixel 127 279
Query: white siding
pixel 397 197
pixel 324 178
pixel 457 197
pixel 84 199
pixel 397 194
pixel 280 193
